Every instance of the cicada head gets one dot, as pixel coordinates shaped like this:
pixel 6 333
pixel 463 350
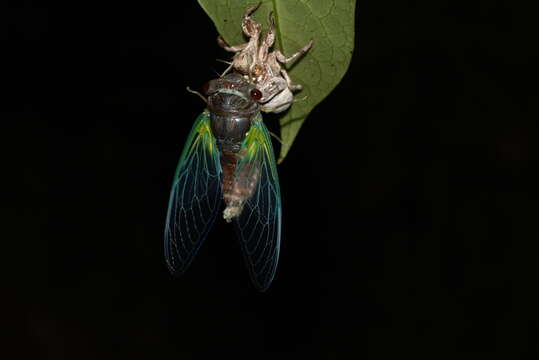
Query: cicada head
pixel 232 94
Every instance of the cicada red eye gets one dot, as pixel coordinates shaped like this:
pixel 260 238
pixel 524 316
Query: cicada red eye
pixel 206 87
pixel 256 94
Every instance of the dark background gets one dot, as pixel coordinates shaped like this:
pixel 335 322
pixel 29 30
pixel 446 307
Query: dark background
pixel 409 195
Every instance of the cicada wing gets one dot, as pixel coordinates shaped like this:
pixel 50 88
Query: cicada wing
pixel 259 224
pixel 195 197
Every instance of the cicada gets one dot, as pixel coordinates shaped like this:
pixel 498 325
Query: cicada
pixel 228 156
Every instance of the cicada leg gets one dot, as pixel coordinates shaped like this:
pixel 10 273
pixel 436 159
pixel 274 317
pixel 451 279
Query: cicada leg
pixel 268 40
pixel 248 25
pixel 283 59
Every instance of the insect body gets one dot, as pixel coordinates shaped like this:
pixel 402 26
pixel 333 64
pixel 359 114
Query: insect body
pixel 228 155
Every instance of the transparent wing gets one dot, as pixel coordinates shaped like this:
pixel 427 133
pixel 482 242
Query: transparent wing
pixel 259 224
pixel 195 197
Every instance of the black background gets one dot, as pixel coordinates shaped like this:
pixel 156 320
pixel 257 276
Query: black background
pixel 408 197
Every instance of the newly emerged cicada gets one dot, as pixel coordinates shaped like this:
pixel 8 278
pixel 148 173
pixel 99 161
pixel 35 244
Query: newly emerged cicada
pixel 228 155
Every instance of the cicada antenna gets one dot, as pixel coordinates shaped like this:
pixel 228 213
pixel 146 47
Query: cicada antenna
pixel 197 93
pixel 224 61
pixel 230 65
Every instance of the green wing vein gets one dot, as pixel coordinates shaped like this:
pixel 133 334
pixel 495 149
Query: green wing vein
pixel 195 197
pixel 259 224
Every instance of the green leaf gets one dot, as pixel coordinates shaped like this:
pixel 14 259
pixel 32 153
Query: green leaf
pixel 330 23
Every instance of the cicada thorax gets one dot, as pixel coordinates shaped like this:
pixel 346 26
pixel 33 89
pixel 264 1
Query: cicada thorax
pixel 233 108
